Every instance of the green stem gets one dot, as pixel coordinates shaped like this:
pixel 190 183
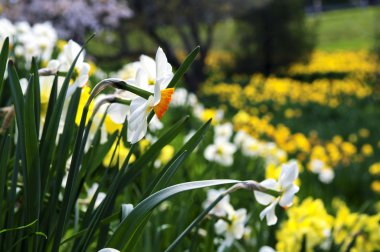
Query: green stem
pixel 250 185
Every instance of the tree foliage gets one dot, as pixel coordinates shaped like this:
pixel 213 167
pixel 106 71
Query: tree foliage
pixel 272 35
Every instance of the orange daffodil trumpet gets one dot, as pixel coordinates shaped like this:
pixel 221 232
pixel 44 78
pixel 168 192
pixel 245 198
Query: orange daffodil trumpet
pixel 158 73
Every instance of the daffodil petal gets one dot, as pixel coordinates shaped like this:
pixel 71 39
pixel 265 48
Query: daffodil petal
pixel 163 68
pixel 288 196
pixel 263 198
pixel 269 214
pixel 108 250
pixel 220 226
pixel 118 112
pixel 149 65
pixel 289 173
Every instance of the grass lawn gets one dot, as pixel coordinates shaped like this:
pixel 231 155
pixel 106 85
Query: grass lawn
pixel 352 29
pixel 349 29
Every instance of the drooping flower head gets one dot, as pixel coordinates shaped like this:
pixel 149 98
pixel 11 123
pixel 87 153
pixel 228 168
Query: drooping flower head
pixel 285 186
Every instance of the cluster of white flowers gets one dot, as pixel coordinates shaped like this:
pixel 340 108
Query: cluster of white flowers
pixel 61 64
pixel 325 173
pixel 183 98
pixel 29 41
pixel 252 147
pixel 222 150
pixel 232 223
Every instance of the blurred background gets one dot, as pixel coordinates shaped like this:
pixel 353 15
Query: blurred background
pixel 299 76
pixel 255 35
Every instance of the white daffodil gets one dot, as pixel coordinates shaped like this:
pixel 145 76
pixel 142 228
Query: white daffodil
pixel 81 70
pixel 232 230
pixel 182 98
pixel 326 175
pixel 240 137
pixel 266 249
pixel 223 207
pixel 24 85
pixel 316 165
pixel 108 250
pixel 252 147
pixel 128 71
pixel 151 72
pixel 7 30
pixel 118 112
pixel 159 70
pixel 224 130
pixel 46 38
pixel 155 124
pixel 140 108
pixel 161 75
pixel 285 186
pixel 220 152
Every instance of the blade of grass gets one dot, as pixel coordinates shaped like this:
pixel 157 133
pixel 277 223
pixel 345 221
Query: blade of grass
pixel 160 181
pixel 155 149
pixel 12 195
pixel 67 202
pixel 49 141
pixel 50 108
pixel 3 63
pixel 5 154
pixel 37 97
pixel 123 234
pixel 194 223
pixel 184 66
pixel 19 228
pixel 33 187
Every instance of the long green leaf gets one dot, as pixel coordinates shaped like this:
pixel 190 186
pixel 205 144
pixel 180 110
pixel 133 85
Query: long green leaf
pixel 155 149
pixel 189 146
pixel 55 176
pixel 184 66
pixel 33 187
pixel 19 106
pixel 3 63
pixel 5 153
pixel 122 236
pixel 17 97
pixel 53 127
pixel 160 182
pixel 50 108
pixel 166 174
pixel 11 202
pixel 46 145
pixel 102 209
pixel 26 237
pixel 32 151
pixel 185 151
pixel 37 97
pixel 194 223
pixel 19 228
